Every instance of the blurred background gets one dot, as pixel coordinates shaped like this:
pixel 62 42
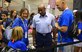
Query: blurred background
pixel 33 4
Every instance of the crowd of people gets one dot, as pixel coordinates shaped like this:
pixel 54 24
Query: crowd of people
pixel 45 28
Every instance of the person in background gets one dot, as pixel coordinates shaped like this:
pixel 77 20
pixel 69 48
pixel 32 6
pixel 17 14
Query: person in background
pixel 15 42
pixel 30 20
pixel 0 12
pixel 63 25
pixel 5 22
pixel 13 14
pixel 0 26
pixel 43 26
pixel 78 46
pixel 0 23
pixel 22 22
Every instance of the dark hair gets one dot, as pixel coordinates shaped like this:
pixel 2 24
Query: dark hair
pixel 31 17
pixel 22 10
pixel 32 14
pixel 5 12
pixel 79 15
pixel 12 13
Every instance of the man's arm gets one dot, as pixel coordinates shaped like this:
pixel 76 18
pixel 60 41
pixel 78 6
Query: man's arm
pixel 54 31
pixel 34 30
pixel 33 35
pixel 63 28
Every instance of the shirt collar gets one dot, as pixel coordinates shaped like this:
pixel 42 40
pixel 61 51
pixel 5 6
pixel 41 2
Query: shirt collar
pixel 44 16
pixel 66 8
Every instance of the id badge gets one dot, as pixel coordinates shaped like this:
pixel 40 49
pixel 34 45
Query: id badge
pixel 25 34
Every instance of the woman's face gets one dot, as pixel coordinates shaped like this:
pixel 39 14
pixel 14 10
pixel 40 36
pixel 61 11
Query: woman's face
pixel 25 14
pixel 14 13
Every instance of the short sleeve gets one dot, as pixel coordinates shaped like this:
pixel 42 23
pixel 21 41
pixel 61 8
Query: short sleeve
pixel 53 21
pixel 33 23
pixel 65 20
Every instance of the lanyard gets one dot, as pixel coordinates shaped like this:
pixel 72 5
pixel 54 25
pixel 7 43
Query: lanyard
pixel 25 27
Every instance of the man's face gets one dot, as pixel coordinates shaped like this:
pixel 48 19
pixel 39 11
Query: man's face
pixel 4 16
pixel 41 11
pixel 59 6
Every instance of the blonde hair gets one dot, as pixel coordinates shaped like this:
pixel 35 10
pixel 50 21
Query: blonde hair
pixel 17 33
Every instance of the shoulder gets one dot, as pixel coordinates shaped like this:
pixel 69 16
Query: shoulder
pixel 36 16
pixel 9 43
pixel 17 19
pixel 20 42
pixel 68 12
pixel 50 15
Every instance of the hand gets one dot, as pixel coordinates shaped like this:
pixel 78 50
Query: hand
pixel 56 25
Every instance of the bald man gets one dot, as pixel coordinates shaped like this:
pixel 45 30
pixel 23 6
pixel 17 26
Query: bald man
pixel 64 23
pixel 43 26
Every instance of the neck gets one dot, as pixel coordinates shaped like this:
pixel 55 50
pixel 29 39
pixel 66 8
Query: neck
pixel 22 18
pixel 44 14
pixel 65 7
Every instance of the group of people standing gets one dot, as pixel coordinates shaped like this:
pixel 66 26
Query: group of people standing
pixel 44 26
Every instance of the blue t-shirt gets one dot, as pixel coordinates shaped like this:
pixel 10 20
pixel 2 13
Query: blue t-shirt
pixel 80 27
pixel 18 45
pixel 65 19
pixel 18 22
pixel 22 23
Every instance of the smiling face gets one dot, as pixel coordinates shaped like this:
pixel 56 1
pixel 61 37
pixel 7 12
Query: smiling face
pixel 24 13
